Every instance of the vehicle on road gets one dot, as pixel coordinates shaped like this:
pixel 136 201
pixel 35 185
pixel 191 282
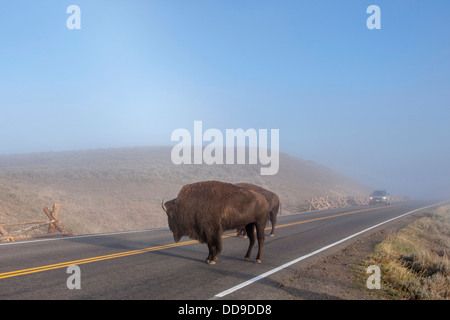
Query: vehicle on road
pixel 380 197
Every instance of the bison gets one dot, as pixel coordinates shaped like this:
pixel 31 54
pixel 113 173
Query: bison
pixel 272 198
pixel 204 210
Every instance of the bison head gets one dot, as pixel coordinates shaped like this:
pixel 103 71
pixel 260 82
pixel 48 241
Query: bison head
pixel 169 208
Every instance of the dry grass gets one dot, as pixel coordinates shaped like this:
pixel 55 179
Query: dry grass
pixel 415 261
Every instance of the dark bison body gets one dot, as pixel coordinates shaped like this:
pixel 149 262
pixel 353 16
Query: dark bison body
pixel 272 198
pixel 204 210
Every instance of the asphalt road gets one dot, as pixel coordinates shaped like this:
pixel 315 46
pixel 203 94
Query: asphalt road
pixel 149 265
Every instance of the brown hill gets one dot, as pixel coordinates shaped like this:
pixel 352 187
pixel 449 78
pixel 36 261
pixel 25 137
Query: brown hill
pixel 110 190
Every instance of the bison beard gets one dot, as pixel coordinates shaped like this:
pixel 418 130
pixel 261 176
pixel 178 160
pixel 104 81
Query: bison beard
pixel 204 210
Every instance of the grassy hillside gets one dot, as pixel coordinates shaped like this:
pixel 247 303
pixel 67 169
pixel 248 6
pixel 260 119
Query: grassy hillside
pixel 109 190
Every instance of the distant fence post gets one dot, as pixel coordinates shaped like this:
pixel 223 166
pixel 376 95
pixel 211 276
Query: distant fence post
pixel 53 224
pixel 321 203
pixel 53 216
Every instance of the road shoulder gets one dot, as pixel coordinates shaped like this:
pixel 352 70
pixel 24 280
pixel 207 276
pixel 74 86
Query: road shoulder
pixel 337 275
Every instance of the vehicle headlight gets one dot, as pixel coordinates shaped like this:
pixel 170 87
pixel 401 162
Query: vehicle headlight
pixel 384 198
pixel 371 198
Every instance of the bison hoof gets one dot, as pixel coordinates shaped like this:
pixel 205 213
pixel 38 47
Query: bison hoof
pixel 271 235
pixel 258 261
pixel 210 261
pixel 246 259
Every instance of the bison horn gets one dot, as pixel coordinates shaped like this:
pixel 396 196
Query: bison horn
pixel 164 206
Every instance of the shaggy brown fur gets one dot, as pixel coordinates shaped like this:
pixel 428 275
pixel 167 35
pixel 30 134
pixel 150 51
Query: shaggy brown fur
pixel 204 210
pixel 272 198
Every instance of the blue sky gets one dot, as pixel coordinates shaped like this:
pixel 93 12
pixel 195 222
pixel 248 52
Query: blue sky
pixel 371 104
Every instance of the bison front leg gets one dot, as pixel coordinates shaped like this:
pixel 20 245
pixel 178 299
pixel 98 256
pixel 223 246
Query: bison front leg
pixel 212 257
pixel 241 233
pixel 251 237
pixel 214 247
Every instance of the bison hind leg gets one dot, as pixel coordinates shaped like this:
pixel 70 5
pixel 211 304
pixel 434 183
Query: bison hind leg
pixel 273 220
pixel 260 234
pixel 252 238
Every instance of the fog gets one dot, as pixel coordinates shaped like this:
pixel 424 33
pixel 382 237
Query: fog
pixel 371 104
pixel 421 177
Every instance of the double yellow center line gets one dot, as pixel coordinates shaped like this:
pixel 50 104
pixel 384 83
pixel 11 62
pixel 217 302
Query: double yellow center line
pixel 94 259
pixel 157 248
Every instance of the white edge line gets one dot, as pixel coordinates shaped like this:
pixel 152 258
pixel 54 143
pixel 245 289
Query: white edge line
pixel 268 273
